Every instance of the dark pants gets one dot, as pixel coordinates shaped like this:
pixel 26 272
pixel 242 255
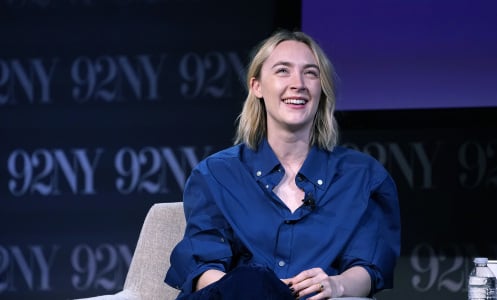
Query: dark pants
pixel 244 283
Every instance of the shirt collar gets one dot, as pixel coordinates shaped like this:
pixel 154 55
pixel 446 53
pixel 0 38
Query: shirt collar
pixel 263 161
pixel 315 167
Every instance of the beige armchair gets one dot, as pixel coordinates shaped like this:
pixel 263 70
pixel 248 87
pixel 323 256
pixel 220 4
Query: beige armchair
pixel 162 229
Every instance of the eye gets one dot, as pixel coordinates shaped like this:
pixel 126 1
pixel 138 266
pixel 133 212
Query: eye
pixel 313 73
pixel 282 71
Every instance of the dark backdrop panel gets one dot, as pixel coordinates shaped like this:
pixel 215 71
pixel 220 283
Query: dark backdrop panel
pixel 105 107
pixel 445 165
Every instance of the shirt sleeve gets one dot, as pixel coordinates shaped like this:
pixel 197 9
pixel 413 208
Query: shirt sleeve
pixel 387 248
pixel 206 242
pixel 376 244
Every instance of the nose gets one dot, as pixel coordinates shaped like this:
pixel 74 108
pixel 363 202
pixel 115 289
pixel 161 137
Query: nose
pixel 298 82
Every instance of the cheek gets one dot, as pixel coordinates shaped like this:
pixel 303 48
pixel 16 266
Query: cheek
pixel 317 92
pixel 271 88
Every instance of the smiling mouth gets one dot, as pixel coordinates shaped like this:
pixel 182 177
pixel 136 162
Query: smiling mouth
pixel 295 101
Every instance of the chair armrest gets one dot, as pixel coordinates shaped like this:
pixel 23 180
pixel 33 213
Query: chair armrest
pixel 122 295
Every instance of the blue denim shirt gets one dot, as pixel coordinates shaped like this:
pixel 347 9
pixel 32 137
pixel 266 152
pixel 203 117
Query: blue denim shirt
pixel 234 217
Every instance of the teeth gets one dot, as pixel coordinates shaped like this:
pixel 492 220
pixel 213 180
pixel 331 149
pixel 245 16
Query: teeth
pixel 294 101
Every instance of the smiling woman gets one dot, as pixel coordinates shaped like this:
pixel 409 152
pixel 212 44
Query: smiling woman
pixel 286 213
pixel 290 88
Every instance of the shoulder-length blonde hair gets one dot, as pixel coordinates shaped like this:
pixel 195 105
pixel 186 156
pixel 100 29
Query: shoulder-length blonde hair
pixel 252 119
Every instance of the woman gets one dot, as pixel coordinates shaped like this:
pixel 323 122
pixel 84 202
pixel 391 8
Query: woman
pixel 286 213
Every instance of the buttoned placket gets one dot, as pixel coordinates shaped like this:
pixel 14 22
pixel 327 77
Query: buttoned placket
pixel 285 236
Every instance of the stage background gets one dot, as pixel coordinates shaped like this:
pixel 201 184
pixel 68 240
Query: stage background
pixel 105 107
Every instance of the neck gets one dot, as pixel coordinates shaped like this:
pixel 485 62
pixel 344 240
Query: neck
pixel 290 150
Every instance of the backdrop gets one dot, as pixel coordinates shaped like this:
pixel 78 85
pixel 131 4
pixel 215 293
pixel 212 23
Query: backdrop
pixel 105 107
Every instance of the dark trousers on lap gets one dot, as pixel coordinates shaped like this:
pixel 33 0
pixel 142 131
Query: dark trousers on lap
pixel 244 283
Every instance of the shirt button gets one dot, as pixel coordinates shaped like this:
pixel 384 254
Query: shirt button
pixel 281 263
pixel 267 186
pixel 320 182
pixel 222 240
pixel 299 178
pixel 259 173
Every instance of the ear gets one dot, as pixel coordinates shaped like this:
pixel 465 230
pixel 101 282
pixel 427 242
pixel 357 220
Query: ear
pixel 255 87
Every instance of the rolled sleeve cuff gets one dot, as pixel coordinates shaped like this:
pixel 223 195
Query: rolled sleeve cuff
pixel 190 282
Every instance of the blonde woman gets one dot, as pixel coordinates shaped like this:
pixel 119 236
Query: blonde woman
pixel 286 213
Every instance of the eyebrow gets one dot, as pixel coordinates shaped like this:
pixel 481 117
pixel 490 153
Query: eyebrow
pixel 289 64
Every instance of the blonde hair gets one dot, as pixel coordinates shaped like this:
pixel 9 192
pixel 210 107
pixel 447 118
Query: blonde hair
pixel 252 119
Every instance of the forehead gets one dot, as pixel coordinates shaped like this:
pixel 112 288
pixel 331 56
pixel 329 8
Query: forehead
pixel 291 52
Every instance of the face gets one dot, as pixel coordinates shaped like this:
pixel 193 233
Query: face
pixel 290 85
